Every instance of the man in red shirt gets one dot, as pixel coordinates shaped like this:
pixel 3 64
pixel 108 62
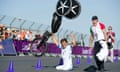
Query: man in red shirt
pixel 110 42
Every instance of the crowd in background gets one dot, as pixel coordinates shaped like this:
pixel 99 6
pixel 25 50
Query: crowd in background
pixel 15 34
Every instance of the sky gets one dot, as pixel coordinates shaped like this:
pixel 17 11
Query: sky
pixel 41 11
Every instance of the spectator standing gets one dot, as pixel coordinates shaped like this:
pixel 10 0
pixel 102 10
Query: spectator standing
pixel 110 42
pixel 28 36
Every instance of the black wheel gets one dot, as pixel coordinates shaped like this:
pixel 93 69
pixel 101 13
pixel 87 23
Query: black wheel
pixel 36 49
pixel 75 10
pixel 63 7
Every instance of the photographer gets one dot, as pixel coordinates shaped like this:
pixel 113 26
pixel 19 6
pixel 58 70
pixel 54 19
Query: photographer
pixel 110 42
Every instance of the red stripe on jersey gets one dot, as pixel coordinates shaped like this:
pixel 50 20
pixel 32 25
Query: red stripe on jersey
pixel 102 26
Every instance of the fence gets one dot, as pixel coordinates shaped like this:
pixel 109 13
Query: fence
pixel 19 24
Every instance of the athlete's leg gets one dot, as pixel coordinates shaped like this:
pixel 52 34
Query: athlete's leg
pixel 102 54
pixel 96 50
pixel 56 22
pixel 111 54
pixel 106 59
pixel 99 63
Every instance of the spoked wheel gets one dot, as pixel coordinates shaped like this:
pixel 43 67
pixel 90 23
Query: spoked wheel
pixel 36 49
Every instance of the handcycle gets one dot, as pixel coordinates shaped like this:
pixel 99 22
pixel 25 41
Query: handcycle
pixel 39 45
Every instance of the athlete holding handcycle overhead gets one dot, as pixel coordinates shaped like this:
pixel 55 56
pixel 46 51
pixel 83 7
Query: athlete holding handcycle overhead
pixel 67 8
pixel 66 52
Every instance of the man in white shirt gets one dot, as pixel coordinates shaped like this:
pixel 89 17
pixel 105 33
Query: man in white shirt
pixel 66 52
pixel 98 34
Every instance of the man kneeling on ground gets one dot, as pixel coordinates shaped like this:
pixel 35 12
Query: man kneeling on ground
pixel 66 52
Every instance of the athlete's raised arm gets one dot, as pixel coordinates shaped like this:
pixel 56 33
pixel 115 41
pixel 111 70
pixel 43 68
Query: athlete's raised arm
pixel 73 39
pixel 54 39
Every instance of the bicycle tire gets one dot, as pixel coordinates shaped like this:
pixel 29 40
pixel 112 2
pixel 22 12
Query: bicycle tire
pixel 34 48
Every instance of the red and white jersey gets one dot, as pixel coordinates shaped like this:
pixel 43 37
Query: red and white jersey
pixel 97 31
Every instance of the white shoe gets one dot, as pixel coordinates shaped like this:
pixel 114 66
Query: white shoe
pixel 61 67
pixel 67 69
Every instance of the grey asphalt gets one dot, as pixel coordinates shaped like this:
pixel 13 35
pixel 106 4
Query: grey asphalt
pixel 28 63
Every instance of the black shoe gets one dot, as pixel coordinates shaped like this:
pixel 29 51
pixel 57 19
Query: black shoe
pixel 102 70
pixel 91 68
pixel 98 69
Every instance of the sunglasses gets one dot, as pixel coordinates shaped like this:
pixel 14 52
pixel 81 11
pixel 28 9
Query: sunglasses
pixel 109 29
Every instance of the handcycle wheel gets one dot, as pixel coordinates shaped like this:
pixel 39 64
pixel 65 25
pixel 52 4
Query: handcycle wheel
pixel 36 49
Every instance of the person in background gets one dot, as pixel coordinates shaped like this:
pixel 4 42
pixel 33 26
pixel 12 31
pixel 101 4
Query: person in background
pixel 66 52
pixel 110 42
pixel 18 35
pixel 14 34
pixel 1 31
pixel 7 33
pixel 1 35
pixel 1 47
pixel 22 35
pixel 31 35
pixel 28 36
